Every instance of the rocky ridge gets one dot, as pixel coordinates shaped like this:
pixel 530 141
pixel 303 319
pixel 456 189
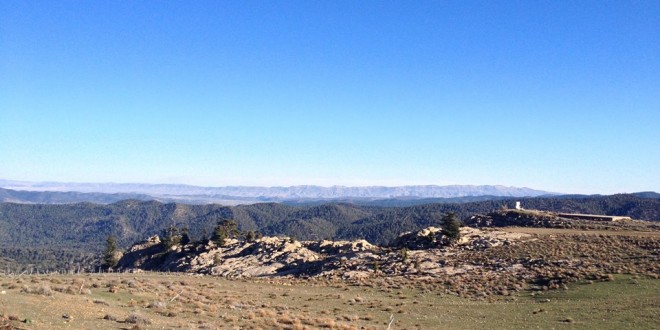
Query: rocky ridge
pixel 283 256
pixel 483 262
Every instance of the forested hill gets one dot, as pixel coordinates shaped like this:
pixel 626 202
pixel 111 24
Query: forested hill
pixel 85 226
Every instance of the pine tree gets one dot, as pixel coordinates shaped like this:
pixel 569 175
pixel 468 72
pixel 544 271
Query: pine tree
pixel 252 236
pixel 219 235
pixel 110 254
pixel 171 237
pixel 185 236
pixel 451 227
pixel 224 230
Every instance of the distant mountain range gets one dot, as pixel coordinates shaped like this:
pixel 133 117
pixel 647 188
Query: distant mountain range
pixel 61 193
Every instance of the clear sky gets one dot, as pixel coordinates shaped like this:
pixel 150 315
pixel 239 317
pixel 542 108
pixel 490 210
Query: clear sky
pixel 556 95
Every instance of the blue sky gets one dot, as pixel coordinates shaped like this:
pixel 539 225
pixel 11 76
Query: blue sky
pixel 555 95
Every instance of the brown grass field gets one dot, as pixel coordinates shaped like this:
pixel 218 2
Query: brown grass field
pixel 175 301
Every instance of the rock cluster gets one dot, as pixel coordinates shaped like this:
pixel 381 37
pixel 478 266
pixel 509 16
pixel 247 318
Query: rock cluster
pixel 471 239
pixel 270 256
pixel 265 256
pixel 483 262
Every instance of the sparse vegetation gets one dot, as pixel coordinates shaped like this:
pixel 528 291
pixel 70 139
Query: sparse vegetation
pixel 624 302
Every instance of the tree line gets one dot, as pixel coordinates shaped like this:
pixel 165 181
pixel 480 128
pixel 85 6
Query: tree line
pixel 60 234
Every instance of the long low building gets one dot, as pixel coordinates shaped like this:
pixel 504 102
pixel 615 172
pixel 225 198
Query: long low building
pixel 595 217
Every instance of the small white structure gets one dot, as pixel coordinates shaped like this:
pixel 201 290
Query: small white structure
pixel 518 207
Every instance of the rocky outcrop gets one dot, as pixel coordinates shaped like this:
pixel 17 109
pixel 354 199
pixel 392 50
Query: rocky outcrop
pixel 470 239
pixel 280 256
pixel 427 238
pixel 142 255
pixel 341 247
pixel 482 262
pixel 267 256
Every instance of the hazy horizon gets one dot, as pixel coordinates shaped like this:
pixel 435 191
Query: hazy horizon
pixel 556 96
pixel 37 186
pixel 265 186
pixel 324 185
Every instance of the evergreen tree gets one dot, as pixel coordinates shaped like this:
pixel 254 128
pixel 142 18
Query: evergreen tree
pixel 451 227
pixel 110 254
pixel 252 236
pixel 224 230
pixel 171 237
pixel 185 236
pixel 219 236
pixel 205 235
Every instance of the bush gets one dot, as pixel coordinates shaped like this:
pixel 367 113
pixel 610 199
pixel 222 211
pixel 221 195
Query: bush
pixel 135 318
pixel 157 304
pixel 43 290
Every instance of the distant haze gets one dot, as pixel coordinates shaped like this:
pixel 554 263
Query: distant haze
pixel 278 193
